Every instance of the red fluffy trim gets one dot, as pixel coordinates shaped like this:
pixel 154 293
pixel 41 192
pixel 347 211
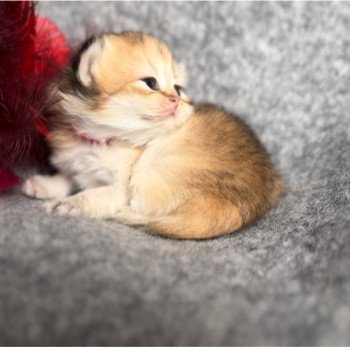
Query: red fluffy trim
pixel 7 179
pixel 32 52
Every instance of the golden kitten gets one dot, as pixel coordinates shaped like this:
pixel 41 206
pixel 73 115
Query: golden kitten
pixel 124 134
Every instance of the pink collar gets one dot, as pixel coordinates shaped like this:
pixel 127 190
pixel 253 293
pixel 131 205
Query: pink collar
pixel 43 130
pixel 92 141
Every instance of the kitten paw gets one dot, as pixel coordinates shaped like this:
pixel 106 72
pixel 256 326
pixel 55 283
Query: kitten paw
pixel 36 187
pixel 67 206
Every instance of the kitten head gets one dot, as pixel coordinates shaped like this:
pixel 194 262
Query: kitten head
pixel 128 84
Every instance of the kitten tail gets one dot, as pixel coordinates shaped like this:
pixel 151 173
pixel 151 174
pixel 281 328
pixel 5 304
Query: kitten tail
pixel 195 220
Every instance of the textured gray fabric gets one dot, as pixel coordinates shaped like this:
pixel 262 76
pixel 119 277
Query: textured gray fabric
pixel 285 68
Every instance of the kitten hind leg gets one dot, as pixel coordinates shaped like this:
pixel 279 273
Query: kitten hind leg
pixel 47 187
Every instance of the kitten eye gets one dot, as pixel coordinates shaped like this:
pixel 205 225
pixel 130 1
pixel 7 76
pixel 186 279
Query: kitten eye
pixel 178 89
pixel 151 83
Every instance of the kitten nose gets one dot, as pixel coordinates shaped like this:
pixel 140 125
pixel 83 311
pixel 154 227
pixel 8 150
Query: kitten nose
pixel 174 99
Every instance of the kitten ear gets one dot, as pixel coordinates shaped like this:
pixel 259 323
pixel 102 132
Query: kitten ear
pixel 88 59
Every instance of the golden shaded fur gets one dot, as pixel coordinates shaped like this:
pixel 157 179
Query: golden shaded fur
pixel 181 170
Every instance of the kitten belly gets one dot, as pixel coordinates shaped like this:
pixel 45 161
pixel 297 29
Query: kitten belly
pixel 92 166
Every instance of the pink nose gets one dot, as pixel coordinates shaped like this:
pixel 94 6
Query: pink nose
pixel 174 99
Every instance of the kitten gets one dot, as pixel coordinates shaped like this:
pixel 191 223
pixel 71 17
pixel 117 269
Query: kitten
pixel 124 133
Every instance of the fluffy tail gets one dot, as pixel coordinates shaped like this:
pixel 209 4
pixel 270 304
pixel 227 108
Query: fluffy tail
pixel 198 219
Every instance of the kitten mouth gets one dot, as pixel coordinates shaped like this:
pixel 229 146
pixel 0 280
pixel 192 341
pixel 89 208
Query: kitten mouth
pixel 169 113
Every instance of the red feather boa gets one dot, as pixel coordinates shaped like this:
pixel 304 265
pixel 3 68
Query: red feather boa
pixel 32 52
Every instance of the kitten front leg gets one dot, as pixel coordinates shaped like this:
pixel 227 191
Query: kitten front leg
pixel 99 202
pixel 47 187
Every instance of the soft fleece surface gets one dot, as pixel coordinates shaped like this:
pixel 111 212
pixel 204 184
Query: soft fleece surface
pixel 285 68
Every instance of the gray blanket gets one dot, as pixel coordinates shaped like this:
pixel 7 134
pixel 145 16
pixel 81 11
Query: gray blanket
pixel 285 68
